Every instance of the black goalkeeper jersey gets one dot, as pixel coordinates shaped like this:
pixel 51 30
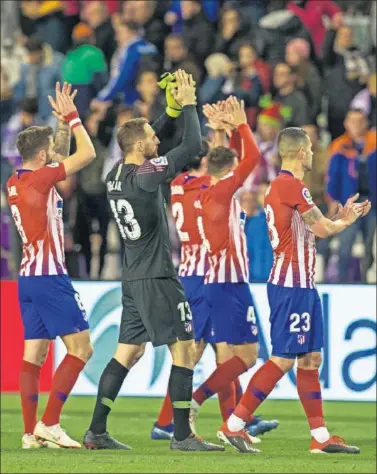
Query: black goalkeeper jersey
pixel 138 205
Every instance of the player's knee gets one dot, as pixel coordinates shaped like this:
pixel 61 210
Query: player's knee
pixel 138 355
pixel 83 352
pixel 250 360
pixel 311 361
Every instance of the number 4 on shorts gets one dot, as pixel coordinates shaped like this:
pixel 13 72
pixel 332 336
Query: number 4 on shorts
pixel 250 317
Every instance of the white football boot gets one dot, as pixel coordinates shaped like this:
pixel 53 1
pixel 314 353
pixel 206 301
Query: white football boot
pixel 55 434
pixel 29 441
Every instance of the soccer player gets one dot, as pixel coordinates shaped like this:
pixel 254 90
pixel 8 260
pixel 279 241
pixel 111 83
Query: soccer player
pixel 154 305
pixel 220 223
pixel 50 307
pixel 296 314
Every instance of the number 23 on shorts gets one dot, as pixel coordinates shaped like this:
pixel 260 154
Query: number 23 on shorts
pixel 299 322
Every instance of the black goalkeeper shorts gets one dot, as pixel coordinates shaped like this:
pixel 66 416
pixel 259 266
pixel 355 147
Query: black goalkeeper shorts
pixel 155 310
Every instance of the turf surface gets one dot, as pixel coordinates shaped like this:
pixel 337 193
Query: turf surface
pixel 284 450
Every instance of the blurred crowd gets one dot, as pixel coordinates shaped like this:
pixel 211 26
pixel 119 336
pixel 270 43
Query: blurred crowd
pixel 307 63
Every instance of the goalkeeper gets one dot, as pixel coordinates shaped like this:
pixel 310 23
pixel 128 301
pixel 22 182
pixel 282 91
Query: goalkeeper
pixel 154 304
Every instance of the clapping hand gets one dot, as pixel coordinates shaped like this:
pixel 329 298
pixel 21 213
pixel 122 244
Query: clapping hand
pixel 217 117
pixel 185 92
pixel 63 104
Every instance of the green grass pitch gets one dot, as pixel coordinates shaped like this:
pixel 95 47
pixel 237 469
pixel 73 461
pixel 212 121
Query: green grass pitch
pixel 284 450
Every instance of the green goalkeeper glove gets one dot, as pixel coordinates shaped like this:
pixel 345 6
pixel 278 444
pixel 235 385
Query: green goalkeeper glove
pixel 167 83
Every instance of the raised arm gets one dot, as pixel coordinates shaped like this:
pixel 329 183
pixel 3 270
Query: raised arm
pixel 65 110
pixel 154 172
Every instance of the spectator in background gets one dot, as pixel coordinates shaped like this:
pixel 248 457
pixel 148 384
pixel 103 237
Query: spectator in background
pixel 26 116
pixel 49 22
pixel 91 199
pixel 178 57
pixel 150 104
pixel 352 169
pixel 173 17
pixel 6 101
pixel 219 69
pixel 38 77
pixel 96 14
pixel 233 32
pixel 270 122
pixel 277 29
pixel 249 62
pixel 308 79
pixel 366 100
pixel 312 13
pixel 316 178
pixel 84 67
pixel 288 95
pixel 133 51
pixel 12 56
pixel 198 33
pixel 143 13
pixel 346 73
pixel 256 230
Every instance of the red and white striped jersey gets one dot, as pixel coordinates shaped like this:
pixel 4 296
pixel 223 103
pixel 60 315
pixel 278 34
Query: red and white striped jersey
pixel 37 210
pixel 292 240
pixel 184 192
pixel 221 219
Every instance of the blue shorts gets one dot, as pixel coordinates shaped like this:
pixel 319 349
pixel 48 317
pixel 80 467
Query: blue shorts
pixel 296 321
pixel 50 307
pixel 194 290
pixel 232 313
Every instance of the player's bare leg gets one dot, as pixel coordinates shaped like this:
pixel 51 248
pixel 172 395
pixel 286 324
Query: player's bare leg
pixel 163 428
pixel 309 391
pixel 180 389
pixel 79 351
pixel 112 378
pixel 35 354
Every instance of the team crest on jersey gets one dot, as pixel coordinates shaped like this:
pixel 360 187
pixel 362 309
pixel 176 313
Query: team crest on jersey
pixel 160 161
pixel 254 330
pixel 242 219
pixel 53 165
pixel 301 339
pixel 307 196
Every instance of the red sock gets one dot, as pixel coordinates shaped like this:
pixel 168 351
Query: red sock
pixel 309 391
pixel 239 391
pixel 64 379
pixel 227 400
pixel 260 385
pixel 220 379
pixel 29 390
pixel 165 417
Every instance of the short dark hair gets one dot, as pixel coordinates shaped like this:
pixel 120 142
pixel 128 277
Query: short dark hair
pixel 194 163
pixel 289 138
pixel 32 140
pixel 283 63
pixel 34 44
pixel 220 158
pixel 29 105
pixel 130 132
pixel 176 36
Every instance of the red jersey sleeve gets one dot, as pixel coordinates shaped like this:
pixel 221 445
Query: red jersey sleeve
pixel 298 196
pixel 226 188
pixel 45 178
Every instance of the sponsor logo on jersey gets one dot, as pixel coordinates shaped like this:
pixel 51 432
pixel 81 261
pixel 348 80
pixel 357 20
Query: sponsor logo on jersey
pixel 12 191
pixel 53 165
pixel 160 161
pixel 307 196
